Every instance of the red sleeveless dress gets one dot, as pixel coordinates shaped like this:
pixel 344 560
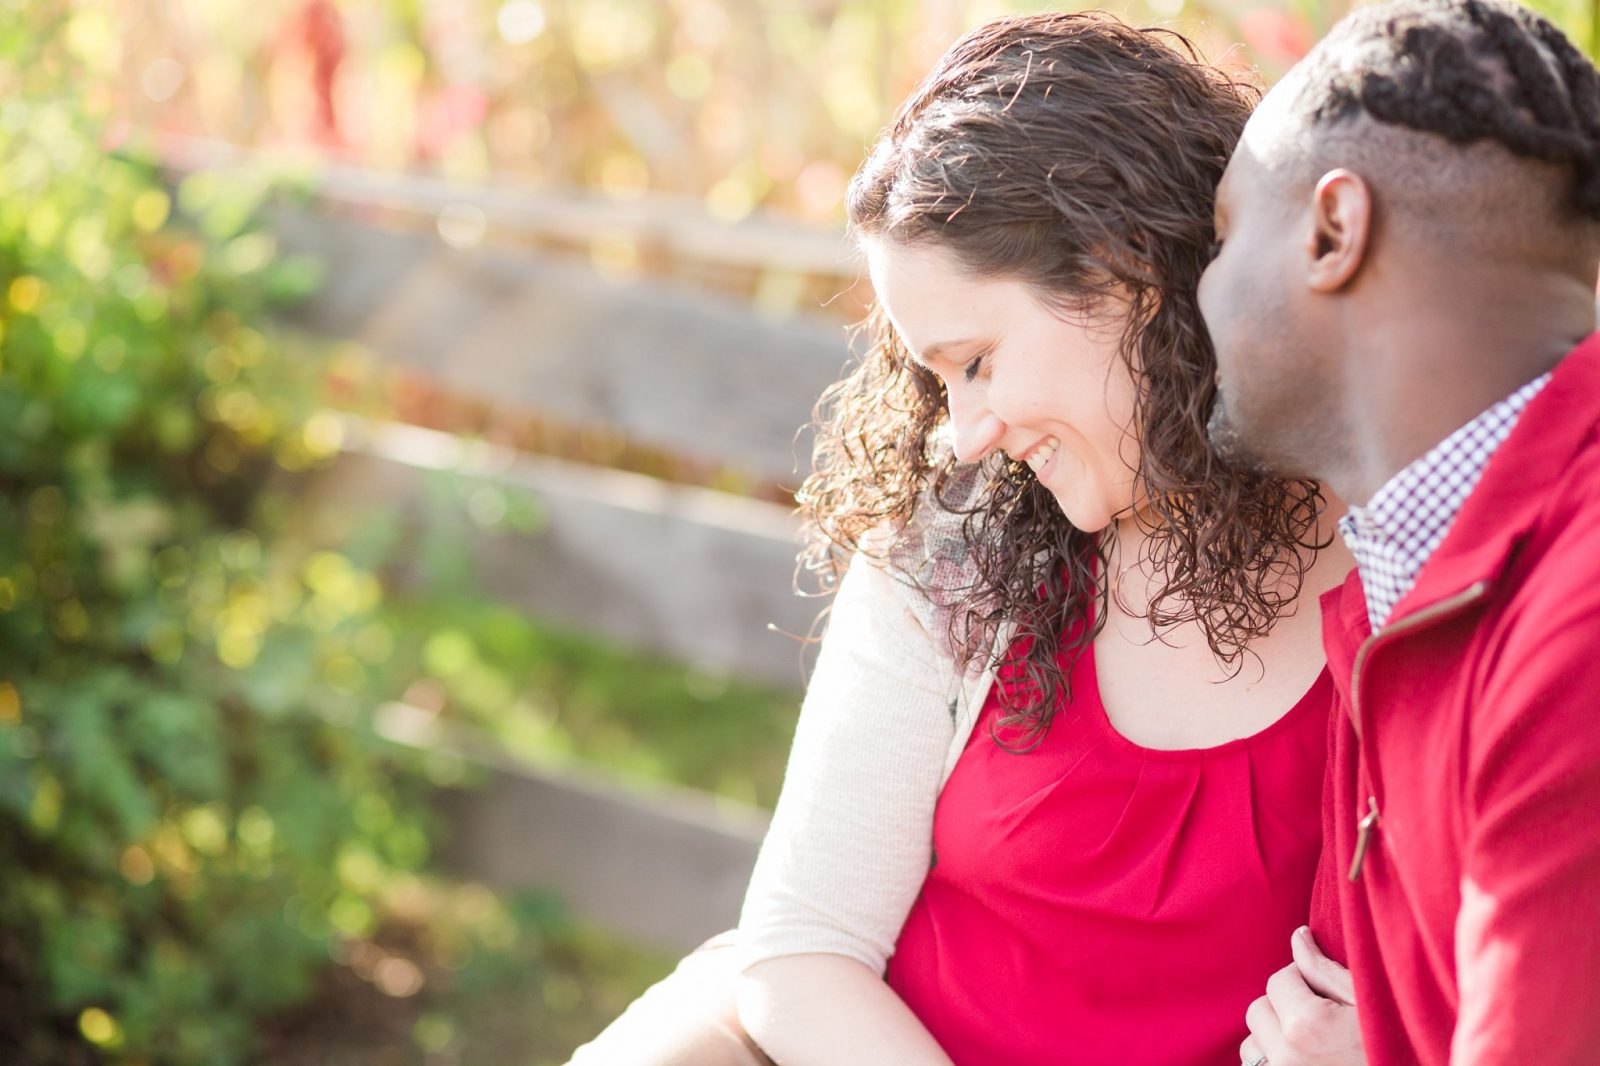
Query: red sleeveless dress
pixel 1096 903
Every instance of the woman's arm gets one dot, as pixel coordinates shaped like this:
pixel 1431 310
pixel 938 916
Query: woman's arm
pixel 829 1009
pixel 851 838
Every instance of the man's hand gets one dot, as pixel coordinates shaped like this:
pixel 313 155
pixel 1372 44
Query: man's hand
pixel 1308 1016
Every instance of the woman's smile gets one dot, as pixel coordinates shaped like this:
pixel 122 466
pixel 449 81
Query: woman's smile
pixel 1040 458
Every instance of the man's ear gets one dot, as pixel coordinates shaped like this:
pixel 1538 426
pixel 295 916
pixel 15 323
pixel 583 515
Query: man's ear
pixel 1341 215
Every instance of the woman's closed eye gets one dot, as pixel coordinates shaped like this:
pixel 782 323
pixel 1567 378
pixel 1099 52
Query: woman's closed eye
pixel 971 370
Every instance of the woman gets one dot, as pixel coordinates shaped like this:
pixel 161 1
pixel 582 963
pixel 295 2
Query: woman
pixel 1059 770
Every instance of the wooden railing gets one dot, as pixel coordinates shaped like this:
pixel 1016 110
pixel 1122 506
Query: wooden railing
pixel 783 266
pixel 525 330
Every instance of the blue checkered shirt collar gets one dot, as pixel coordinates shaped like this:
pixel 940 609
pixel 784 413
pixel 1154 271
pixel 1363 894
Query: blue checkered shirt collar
pixel 1394 534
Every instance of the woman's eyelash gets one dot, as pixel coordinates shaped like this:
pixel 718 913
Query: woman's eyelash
pixel 970 371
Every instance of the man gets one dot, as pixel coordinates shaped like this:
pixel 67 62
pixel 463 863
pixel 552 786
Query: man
pixel 1402 305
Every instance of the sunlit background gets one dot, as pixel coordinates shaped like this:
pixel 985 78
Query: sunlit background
pixel 400 410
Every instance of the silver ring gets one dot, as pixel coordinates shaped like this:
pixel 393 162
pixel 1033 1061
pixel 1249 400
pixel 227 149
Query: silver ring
pixel 1259 1060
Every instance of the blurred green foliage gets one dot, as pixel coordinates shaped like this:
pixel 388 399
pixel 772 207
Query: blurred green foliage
pixel 548 694
pixel 192 810
pixel 196 818
pixel 491 981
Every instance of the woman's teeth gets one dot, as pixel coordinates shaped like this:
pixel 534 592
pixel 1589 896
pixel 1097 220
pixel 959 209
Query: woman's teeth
pixel 1041 456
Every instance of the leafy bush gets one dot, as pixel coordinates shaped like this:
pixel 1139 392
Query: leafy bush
pixel 192 811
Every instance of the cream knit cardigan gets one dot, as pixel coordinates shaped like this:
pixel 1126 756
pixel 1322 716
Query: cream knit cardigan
pixel 885 717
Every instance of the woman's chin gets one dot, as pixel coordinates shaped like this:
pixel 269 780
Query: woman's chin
pixel 1090 516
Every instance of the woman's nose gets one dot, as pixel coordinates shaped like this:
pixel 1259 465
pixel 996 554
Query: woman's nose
pixel 977 430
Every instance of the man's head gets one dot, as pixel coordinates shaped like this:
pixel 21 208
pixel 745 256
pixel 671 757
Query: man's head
pixel 1420 145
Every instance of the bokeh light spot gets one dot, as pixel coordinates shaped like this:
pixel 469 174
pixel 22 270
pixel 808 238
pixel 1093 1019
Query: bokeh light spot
pixel 689 76
pixel 99 1028
pixel 149 211
pixel 137 866
pixel 25 293
pixel 520 21
pixel 463 225
pixel 162 79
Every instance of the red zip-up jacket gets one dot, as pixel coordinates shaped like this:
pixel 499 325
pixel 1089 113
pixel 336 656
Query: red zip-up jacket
pixel 1471 724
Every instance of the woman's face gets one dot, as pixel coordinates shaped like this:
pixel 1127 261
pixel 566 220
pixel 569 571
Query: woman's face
pixel 1049 390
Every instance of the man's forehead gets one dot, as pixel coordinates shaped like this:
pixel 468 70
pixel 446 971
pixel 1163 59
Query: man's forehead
pixel 1241 176
pixel 1275 130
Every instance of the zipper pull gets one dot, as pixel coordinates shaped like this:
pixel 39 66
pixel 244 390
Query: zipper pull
pixel 1366 827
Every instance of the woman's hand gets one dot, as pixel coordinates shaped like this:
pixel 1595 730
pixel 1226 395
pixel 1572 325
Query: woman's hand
pixel 1308 1016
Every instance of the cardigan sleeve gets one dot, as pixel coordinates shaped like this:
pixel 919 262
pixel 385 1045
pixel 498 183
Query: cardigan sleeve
pixel 851 838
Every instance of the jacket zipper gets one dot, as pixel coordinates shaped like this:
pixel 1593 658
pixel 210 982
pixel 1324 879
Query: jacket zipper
pixel 1370 822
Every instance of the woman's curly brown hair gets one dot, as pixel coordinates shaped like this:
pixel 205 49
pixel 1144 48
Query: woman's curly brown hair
pixel 1081 156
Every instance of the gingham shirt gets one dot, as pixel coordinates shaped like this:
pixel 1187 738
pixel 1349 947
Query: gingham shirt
pixel 1394 534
